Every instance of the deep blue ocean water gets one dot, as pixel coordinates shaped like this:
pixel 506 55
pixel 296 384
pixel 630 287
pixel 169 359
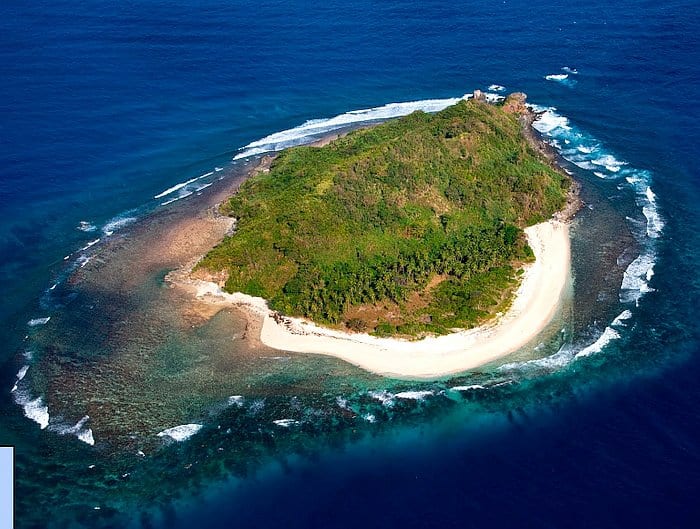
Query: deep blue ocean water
pixel 102 107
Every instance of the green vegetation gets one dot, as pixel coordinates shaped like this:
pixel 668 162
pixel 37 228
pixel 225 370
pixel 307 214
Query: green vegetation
pixel 408 227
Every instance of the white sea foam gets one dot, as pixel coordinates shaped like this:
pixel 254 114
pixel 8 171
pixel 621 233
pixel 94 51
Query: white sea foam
pixel 383 396
pixel 650 274
pixel 86 226
pixel 552 362
pixel 413 395
pixel 79 430
pixel 622 317
pixel 318 127
pixel 586 152
pixel 467 388
pixel 493 98
pixel 570 70
pixel 608 161
pixel 38 321
pixel 655 223
pixel 497 88
pixel 217 169
pixel 342 402
pixel 22 372
pixel 176 187
pixel 556 76
pixel 181 432
pixel 585 164
pixel 117 223
pixel 285 423
pixel 634 280
pixel 549 120
pixel 650 195
pixel 83 260
pixel 34 409
pixel 237 400
pixel 90 244
pixel 369 417
pixel 609 334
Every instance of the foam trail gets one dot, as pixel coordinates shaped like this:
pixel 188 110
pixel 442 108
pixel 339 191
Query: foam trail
pixel 38 321
pixel 176 187
pixel 22 372
pixel 90 244
pixel 609 334
pixel 181 432
pixel 413 395
pixel 317 127
pixel 655 223
pixel 608 161
pixel 79 430
pixel 285 423
pixel 555 361
pixel 467 388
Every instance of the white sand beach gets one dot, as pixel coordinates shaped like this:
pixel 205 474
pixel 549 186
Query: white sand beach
pixel 536 302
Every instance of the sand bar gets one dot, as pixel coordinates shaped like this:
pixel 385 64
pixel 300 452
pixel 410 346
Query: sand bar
pixel 535 304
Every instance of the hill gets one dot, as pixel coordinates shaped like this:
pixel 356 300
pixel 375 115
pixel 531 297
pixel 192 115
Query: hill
pixel 413 226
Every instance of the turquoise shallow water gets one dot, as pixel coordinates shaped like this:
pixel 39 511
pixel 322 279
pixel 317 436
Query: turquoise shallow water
pixel 106 108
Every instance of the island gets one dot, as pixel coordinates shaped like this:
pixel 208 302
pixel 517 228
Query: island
pixel 419 247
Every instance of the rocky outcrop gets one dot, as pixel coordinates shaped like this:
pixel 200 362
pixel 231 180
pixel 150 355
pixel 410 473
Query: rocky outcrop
pixel 515 104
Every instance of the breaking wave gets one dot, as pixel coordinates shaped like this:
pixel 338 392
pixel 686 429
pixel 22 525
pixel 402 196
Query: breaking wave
pixel 586 152
pixel 316 128
pixel 181 432
pixel 34 408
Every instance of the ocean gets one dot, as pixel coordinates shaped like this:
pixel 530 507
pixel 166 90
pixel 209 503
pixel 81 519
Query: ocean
pixel 116 118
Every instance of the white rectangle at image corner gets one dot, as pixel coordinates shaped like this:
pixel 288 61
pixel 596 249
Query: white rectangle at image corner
pixel 7 457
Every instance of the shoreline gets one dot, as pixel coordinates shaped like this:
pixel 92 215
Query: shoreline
pixel 536 302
